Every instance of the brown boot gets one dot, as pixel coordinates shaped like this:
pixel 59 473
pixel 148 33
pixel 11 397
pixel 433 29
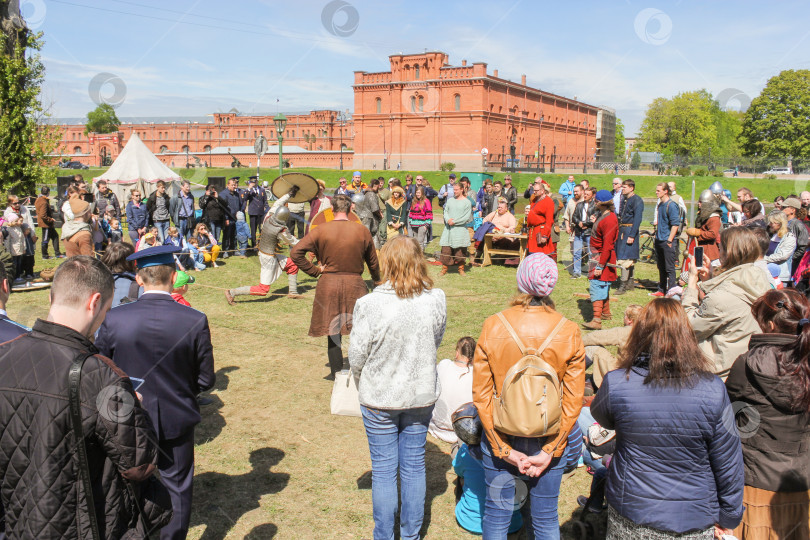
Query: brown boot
pixel 229 298
pixel 443 271
pixel 461 270
pixel 596 322
pixel 606 315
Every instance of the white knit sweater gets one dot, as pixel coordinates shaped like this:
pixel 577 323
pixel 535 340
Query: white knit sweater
pixel 392 348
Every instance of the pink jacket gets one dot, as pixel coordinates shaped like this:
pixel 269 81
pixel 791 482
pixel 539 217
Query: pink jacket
pixel 423 212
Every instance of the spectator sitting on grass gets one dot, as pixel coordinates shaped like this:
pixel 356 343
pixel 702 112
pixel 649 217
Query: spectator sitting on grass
pixel 455 378
pixel 207 244
pixel 181 287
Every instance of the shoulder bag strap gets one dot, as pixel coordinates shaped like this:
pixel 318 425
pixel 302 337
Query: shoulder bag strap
pixel 519 343
pixel 74 398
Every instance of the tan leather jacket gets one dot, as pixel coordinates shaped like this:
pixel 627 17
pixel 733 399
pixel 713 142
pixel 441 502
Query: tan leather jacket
pixel 496 352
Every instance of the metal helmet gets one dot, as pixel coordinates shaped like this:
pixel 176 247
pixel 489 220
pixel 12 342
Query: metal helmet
pixel 265 184
pixel 282 215
pixel 467 425
pixel 716 188
pixel 706 197
pixel 358 198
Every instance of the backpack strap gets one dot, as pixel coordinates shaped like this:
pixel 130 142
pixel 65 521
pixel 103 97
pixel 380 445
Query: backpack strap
pixel 520 344
pixel 74 398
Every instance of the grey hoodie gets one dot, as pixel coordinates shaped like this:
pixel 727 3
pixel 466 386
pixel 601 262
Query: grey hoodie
pixel 723 322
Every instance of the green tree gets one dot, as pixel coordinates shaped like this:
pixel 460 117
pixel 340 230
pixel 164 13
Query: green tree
pixel 618 151
pixel 102 120
pixel 635 162
pixel 26 140
pixel 777 124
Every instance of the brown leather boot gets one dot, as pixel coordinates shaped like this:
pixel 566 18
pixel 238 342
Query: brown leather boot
pixel 606 315
pixel 461 270
pixel 443 271
pixel 596 322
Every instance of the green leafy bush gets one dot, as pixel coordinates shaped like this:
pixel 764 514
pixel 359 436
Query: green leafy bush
pixel 684 171
pixel 447 166
pixel 701 172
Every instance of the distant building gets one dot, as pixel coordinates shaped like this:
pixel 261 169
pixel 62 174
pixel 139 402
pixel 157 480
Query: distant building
pixel 424 112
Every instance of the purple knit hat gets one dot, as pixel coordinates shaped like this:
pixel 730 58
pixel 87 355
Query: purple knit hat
pixel 537 275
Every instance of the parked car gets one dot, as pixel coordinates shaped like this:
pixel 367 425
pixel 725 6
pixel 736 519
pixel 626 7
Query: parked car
pixel 778 170
pixel 73 165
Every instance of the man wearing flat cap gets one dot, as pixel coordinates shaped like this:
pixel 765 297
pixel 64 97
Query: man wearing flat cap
pixel 168 345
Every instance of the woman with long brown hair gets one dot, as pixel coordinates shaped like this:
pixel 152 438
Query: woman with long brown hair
pixel 392 351
pixel 719 308
pixel 677 469
pixel 770 388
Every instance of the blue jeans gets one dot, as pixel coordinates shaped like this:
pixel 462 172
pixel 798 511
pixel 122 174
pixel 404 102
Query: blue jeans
pixel 582 244
pixel 396 440
pixel 216 228
pixel 163 230
pixel 184 226
pixel 585 421
pixel 197 257
pixel 542 520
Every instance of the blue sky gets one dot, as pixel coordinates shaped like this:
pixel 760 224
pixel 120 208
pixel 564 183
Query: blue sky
pixel 195 57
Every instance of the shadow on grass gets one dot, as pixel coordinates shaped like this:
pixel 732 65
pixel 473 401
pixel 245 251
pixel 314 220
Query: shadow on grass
pixel 222 499
pixel 585 308
pixel 212 420
pixel 437 463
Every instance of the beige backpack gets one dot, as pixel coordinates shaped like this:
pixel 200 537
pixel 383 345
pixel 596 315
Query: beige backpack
pixel 530 402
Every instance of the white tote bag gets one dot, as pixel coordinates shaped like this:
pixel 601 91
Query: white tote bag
pixel 345 401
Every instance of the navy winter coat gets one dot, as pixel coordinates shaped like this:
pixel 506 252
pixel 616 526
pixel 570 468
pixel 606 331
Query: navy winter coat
pixel 678 465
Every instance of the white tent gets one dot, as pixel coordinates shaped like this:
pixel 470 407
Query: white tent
pixel 138 167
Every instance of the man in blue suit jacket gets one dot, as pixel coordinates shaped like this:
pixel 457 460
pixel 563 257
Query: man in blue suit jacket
pixel 169 346
pixel 8 328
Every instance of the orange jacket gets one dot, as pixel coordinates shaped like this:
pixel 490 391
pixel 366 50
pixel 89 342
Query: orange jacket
pixel 496 352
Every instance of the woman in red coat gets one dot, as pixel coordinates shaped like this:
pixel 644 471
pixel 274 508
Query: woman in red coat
pixel 603 254
pixel 541 221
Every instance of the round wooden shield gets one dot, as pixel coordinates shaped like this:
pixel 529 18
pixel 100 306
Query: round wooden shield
pixel 308 186
pixel 327 215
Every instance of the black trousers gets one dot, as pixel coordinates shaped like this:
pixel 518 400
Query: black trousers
pixel 296 220
pixel 255 222
pixel 176 465
pixel 667 259
pixel 49 234
pixel 335 354
pixel 229 237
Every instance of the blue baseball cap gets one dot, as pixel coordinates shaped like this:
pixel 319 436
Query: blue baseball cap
pixel 155 256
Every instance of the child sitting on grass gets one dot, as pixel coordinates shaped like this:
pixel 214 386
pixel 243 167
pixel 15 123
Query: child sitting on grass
pixel 181 288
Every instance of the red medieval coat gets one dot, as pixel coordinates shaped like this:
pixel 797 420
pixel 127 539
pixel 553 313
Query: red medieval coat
pixel 541 221
pixel 603 246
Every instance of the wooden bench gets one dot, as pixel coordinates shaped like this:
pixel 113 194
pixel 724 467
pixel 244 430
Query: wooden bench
pixel 489 250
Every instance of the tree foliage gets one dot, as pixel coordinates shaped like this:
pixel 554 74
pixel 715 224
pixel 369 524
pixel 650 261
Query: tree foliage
pixel 691 123
pixel 618 150
pixel 102 120
pixel 26 139
pixel 777 124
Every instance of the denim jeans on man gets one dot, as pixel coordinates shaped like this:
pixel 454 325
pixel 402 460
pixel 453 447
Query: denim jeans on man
pixel 542 520
pixel 185 227
pixel 582 245
pixel 215 228
pixel 585 421
pixel 396 440
pixel 163 230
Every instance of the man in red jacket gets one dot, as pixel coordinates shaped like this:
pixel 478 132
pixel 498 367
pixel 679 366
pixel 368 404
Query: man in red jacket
pixel 603 257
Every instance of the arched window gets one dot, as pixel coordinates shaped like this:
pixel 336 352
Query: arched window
pixel 413 104
pixel 163 149
pixel 421 104
pixel 184 149
pixel 416 71
pixel 457 102
pixel 207 148
pixel 77 149
pixel 378 101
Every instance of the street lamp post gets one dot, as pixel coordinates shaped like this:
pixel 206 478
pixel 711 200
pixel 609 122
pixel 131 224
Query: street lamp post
pixel 281 122
pixel 585 151
pixel 539 145
pixel 188 128
pixel 342 122
pixel 385 163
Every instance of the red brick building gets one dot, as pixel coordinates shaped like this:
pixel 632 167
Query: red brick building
pixel 313 139
pixel 424 112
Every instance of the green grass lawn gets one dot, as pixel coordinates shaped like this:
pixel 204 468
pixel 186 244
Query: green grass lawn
pixel 270 459
pixel 763 188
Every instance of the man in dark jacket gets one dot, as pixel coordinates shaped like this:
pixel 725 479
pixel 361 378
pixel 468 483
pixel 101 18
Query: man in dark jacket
pixel 46 220
pixel 181 208
pixel 581 223
pixel 158 205
pixel 215 209
pixel 107 200
pixel 42 491
pixel 169 346
pixel 630 211
pixel 233 199
pixel 256 203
